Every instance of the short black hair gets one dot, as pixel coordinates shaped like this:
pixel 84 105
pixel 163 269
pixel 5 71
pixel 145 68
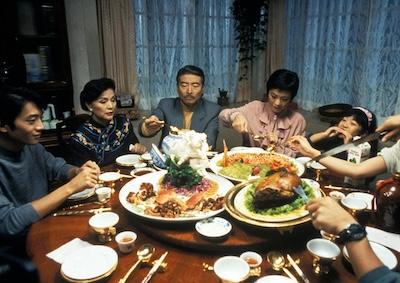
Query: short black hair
pixel 13 100
pixel 283 79
pixel 93 89
pixel 190 69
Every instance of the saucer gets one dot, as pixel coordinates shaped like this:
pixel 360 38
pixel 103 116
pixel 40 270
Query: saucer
pixel 127 160
pixel 89 263
pixel 109 176
pixel 213 227
pixel 86 193
pixel 384 254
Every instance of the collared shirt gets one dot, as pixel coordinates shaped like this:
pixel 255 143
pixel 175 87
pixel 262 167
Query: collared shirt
pixel 187 116
pixel 262 120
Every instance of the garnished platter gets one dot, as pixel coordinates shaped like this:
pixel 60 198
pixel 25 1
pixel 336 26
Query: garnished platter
pixel 231 208
pixel 249 163
pixel 287 212
pixel 149 207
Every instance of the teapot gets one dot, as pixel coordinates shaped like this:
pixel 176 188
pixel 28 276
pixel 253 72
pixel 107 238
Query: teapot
pixel 386 203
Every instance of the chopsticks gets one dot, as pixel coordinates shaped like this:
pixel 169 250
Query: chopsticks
pixel 154 268
pixel 81 212
pixel 297 269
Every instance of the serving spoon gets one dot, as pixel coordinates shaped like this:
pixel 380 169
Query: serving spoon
pixel 144 254
pixel 277 260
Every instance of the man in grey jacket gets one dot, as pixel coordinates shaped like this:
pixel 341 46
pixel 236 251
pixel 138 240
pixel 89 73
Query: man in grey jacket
pixel 189 111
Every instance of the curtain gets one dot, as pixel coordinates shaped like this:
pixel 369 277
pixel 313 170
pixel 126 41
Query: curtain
pixel 346 51
pixel 117 32
pixel 172 33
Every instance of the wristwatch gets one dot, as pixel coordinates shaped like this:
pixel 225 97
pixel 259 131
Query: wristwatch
pixel 353 232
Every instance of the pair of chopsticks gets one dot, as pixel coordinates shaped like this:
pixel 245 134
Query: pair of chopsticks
pixel 297 269
pixel 154 268
pixel 81 212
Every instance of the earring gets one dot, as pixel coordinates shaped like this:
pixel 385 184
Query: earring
pixel 90 109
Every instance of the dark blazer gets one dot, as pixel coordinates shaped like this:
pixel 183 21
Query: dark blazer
pixel 204 119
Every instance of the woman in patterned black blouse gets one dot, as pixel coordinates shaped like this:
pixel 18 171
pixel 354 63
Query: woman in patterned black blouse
pixel 105 136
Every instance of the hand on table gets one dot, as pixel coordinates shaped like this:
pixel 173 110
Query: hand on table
pixel 328 215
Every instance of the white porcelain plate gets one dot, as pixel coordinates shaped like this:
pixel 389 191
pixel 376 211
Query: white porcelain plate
pixel 127 160
pixel 363 196
pixel 89 262
pixel 154 179
pixel 274 279
pixel 213 227
pixel 86 193
pixel 384 254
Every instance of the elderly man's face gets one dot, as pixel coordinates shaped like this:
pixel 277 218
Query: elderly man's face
pixel 190 89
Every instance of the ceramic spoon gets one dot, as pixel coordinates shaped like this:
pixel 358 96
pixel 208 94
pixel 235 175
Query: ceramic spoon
pixel 144 254
pixel 277 260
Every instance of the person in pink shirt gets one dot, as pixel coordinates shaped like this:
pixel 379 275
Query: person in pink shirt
pixel 269 124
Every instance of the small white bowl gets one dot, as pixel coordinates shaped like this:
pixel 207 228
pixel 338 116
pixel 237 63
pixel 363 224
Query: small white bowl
pixel 354 203
pixel 103 220
pixel 368 198
pixel 214 228
pixel 231 269
pixel 126 241
pixel 323 248
pixel 142 171
pixel 253 259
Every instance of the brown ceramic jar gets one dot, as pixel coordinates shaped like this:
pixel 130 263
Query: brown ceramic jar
pixel 387 203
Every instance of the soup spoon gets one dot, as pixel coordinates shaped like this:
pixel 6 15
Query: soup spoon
pixel 144 254
pixel 277 260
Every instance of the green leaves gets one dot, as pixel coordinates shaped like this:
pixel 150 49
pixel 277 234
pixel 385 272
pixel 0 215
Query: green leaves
pixel 181 175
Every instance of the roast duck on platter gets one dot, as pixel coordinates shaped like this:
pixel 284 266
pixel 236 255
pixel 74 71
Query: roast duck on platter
pixel 276 190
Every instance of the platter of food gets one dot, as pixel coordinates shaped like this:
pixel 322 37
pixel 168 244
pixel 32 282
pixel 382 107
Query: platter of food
pixel 248 164
pixel 272 201
pixel 153 196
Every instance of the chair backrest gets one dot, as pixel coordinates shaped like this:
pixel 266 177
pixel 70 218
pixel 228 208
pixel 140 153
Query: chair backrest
pixel 64 130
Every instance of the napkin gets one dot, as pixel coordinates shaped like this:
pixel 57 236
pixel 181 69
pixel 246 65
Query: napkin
pixel 61 253
pixel 390 240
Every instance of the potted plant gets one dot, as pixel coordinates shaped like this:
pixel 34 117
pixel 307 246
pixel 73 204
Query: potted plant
pixel 251 24
pixel 223 97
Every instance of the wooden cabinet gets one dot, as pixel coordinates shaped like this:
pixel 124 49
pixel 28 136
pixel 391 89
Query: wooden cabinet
pixel 34 50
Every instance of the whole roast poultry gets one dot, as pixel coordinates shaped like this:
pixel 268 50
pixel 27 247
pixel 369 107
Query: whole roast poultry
pixel 276 190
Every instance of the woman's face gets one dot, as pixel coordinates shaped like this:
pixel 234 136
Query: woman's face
pixel 279 100
pixel 350 125
pixel 103 107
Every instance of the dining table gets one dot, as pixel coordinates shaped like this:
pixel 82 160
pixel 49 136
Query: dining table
pixel 188 252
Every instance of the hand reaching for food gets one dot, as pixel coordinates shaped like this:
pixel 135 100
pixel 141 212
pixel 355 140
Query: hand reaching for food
pixel 153 123
pixel 137 148
pixel 239 124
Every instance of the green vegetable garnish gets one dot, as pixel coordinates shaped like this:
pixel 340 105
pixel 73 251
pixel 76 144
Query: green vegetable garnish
pixel 296 204
pixel 181 175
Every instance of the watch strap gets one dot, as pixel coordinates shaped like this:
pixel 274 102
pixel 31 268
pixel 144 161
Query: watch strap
pixel 353 232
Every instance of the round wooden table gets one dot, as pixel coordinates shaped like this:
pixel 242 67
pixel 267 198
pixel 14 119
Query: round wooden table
pixel 187 250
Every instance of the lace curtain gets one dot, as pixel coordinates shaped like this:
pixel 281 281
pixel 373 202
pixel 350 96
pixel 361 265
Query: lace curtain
pixel 345 51
pixel 172 33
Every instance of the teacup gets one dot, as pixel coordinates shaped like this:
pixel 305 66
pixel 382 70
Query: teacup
pixel 103 224
pixel 126 241
pixel 353 204
pixel 324 252
pixel 231 269
pixel 103 194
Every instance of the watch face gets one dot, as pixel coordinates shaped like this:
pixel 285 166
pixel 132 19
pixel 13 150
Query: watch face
pixel 354 232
